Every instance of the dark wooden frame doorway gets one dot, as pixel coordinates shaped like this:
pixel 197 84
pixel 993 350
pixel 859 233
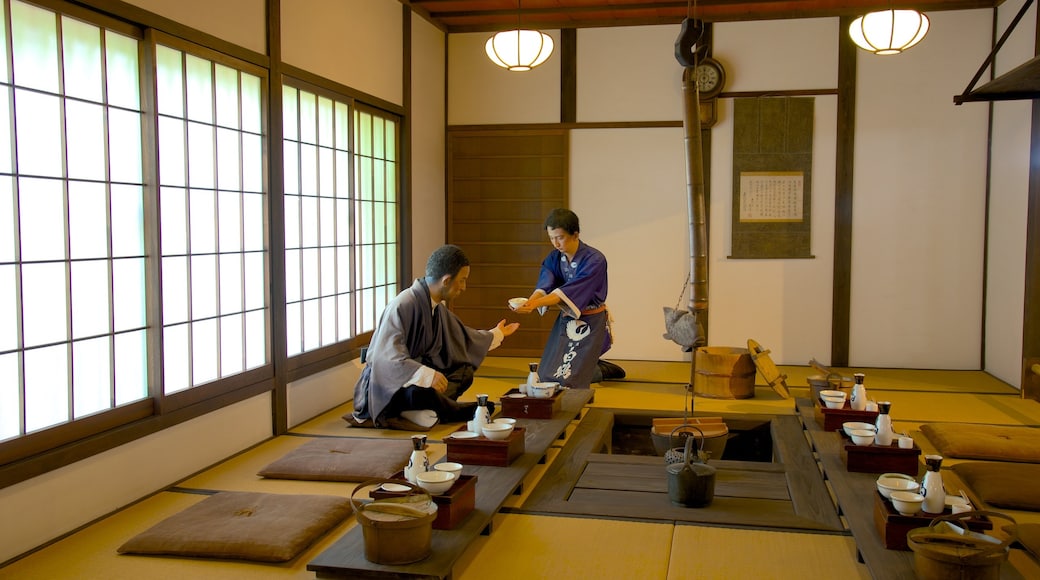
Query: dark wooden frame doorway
pixel 501 184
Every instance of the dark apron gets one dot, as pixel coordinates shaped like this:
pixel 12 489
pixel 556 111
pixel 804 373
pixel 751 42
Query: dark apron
pixel 573 349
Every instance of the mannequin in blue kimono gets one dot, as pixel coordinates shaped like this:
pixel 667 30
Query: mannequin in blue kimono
pixel 573 278
pixel 422 357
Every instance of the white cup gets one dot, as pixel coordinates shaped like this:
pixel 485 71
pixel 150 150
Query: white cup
pixel 906 442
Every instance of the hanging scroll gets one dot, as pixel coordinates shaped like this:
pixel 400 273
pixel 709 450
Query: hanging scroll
pixel 772 169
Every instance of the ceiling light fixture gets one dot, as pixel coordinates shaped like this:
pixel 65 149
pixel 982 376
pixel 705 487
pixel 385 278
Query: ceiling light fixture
pixel 889 31
pixel 519 50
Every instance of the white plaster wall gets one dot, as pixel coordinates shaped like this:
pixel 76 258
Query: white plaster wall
pixel 628 74
pixel 1009 204
pixel 784 305
pixel 628 187
pixel 317 393
pixel 919 202
pixel 241 22
pixel 428 141
pixel 480 92
pixel 778 55
pixel 42 508
pixel 354 42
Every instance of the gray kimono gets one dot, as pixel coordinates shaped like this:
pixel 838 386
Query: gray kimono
pixel 411 334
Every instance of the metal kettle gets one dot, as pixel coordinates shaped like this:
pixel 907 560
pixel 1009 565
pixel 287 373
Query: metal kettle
pixel 692 482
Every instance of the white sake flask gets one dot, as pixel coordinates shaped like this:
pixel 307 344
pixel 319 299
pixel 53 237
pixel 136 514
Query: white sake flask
pixel 419 461
pixel 883 437
pixel 481 416
pixel 858 400
pixel 932 486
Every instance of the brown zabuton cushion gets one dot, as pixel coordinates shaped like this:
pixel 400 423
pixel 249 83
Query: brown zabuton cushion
pixel 1006 485
pixel 342 459
pixel 1029 537
pixel 991 442
pixel 268 527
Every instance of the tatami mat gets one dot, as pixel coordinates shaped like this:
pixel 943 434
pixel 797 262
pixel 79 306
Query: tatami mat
pixel 91 553
pixel 530 546
pixel 703 552
pixel 885 379
pixel 525 547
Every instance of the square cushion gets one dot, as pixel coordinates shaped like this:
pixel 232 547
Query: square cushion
pixel 267 527
pixel 992 442
pixel 341 459
pixel 1006 485
pixel 1029 538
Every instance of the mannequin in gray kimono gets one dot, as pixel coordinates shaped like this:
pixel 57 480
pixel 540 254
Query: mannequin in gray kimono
pixel 422 357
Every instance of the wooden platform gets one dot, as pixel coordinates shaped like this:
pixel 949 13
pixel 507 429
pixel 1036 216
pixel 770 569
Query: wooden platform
pixel 855 495
pixel 345 558
pixel 788 493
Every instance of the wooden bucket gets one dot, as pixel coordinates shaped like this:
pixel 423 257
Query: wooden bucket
pixel 724 372
pixel 713 430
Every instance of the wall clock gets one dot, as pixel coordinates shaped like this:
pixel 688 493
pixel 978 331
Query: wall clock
pixel 710 77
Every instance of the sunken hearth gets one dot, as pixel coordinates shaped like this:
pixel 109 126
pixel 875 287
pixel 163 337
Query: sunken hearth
pixel 769 478
pixel 750 439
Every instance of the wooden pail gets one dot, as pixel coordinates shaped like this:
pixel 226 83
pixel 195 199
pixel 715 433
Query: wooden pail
pixel 724 372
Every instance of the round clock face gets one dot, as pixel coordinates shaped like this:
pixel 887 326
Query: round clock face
pixel 707 77
pixel 710 77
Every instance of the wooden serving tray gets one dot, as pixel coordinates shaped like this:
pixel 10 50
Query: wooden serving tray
pixel 875 458
pixel 452 506
pixel 483 451
pixel 893 526
pixel 832 419
pixel 530 407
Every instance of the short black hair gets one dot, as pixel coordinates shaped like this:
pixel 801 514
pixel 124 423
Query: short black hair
pixel 564 219
pixel 447 259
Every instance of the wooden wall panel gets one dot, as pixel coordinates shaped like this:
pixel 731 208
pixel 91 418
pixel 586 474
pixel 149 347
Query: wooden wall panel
pixel 501 185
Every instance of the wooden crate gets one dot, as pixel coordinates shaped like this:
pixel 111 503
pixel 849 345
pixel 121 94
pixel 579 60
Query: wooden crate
pixel 882 459
pixel 832 419
pixel 893 526
pixel 483 451
pixel 452 506
pixel 530 407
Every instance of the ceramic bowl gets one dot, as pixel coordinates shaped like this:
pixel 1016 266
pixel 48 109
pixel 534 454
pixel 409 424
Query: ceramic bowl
pixel 449 467
pixel 515 303
pixel 954 500
pixel 862 436
pixel 907 503
pixel 849 426
pixel 832 393
pixel 834 402
pixel 506 420
pixel 542 390
pixel 497 431
pixel 886 485
pixel 435 482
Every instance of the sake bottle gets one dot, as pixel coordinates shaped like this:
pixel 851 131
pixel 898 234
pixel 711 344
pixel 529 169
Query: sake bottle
pixel 481 416
pixel 883 437
pixel 532 376
pixel 932 486
pixel 419 461
pixel 858 400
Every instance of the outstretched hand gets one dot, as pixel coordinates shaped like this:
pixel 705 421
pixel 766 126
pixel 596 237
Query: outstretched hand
pixel 507 329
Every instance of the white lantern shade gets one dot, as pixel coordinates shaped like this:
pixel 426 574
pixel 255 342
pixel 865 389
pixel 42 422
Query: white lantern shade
pixel 519 50
pixel 889 31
